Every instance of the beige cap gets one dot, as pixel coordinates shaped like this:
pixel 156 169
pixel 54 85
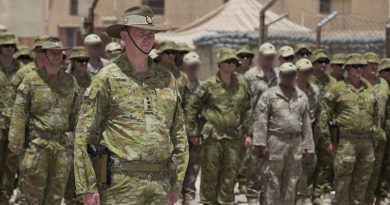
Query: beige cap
pixel 286 51
pixel 288 68
pixel 303 64
pixel 267 49
pixel 113 46
pixel 92 39
pixel 153 54
pixel 191 58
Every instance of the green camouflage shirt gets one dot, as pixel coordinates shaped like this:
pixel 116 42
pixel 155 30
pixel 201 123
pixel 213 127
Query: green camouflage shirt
pixel 226 108
pixel 138 117
pixel 353 109
pixel 44 106
pixel 181 79
pixel 323 85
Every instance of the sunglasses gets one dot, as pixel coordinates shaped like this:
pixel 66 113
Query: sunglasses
pixel 307 72
pixel 169 52
pixel 303 53
pixel 288 58
pixel 82 61
pixel 25 58
pixel 9 46
pixel 243 56
pixel 231 61
pixel 386 70
pixel 357 66
pixel 323 62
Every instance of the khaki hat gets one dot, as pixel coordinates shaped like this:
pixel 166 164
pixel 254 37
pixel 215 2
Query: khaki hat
pixel 153 54
pixel 79 52
pixel 338 58
pixel 226 54
pixel 355 59
pixel 245 50
pixel 23 51
pixel 113 46
pixel 288 68
pixel 92 39
pixel 137 17
pixel 303 64
pixel 286 51
pixel 267 49
pixel 182 47
pixel 38 41
pixel 301 46
pixel 384 64
pixel 53 43
pixel 318 55
pixel 7 38
pixel 371 57
pixel 191 58
pixel 165 46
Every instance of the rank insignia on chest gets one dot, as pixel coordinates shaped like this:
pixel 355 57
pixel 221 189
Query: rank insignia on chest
pixel 121 79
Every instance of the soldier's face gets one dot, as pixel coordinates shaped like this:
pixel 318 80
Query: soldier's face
pixel 143 38
pixel 320 66
pixel 288 79
pixel 228 66
pixel 81 64
pixel 371 70
pixel 304 75
pixel 94 50
pixel 337 71
pixel 355 71
pixel 267 61
pixel 8 50
pixel 54 57
pixel 168 57
pixel 303 53
pixel 191 70
pixel 246 60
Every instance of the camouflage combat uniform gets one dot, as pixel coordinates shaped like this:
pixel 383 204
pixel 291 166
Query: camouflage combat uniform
pixel 258 84
pixel 283 125
pixel 145 134
pixel 45 108
pixel 354 111
pixel 226 108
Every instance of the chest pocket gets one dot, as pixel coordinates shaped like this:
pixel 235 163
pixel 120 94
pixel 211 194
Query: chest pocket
pixel 42 99
pixel 166 103
pixel 370 102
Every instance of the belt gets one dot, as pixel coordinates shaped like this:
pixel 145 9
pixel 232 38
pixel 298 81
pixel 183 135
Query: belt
pixel 285 135
pixel 344 133
pixel 131 166
pixel 59 136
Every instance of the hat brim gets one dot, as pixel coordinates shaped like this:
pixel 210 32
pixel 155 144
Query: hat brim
pixel 268 53
pixel 115 30
pixel 58 49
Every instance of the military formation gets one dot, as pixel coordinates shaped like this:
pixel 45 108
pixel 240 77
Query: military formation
pixel 140 127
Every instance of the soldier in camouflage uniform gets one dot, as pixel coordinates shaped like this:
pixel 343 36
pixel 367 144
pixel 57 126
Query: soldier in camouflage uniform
pixel 302 51
pixel 181 49
pixel 191 64
pixel 260 79
pixel 286 54
pixel 8 162
pixel 305 70
pixel 245 55
pixel 225 101
pixel 24 55
pixel 78 68
pixel 167 52
pixel 351 104
pixel 44 102
pixel 336 64
pixel 113 50
pixel 282 131
pixel 94 45
pixel 382 92
pixel 133 109
pixel 323 177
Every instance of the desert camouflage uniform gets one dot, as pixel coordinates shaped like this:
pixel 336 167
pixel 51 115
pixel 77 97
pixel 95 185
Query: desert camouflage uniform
pixel 140 120
pixel 226 108
pixel 45 108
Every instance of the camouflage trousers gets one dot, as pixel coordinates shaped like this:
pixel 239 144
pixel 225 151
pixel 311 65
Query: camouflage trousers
pixel 194 164
pixel 137 188
pixel 8 169
pixel 308 166
pixel 384 180
pixel 242 170
pixel 220 162
pixel 323 174
pixel 353 165
pixel 372 188
pixel 253 175
pixel 283 168
pixel 70 191
pixel 44 172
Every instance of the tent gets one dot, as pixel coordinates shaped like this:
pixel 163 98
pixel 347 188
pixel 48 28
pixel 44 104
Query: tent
pixel 233 16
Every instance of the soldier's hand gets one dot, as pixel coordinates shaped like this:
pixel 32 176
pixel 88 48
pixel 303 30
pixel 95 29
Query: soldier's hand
pixel 330 148
pixel 91 199
pixel 263 150
pixel 173 197
pixel 248 142
pixel 195 140
pixel 14 149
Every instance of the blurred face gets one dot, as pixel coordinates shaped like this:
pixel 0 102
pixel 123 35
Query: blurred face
pixel 8 50
pixel 286 59
pixel 80 64
pixel 191 70
pixel 385 74
pixel 267 61
pixel 246 60
pixel 303 53
pixel 94 50
pixel 25 59
pixel 143 38
pixel 355 71
pixel 168 57
pixel 320 66
pixel 370 71
pixel 228 66
pixel 337 71
pixel 288 79
pixel 304 75
pixel 54 58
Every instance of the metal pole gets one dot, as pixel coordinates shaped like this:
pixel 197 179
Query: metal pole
pixel 387 40
pixel 262 28
pixel 89 23
pixel 322 23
